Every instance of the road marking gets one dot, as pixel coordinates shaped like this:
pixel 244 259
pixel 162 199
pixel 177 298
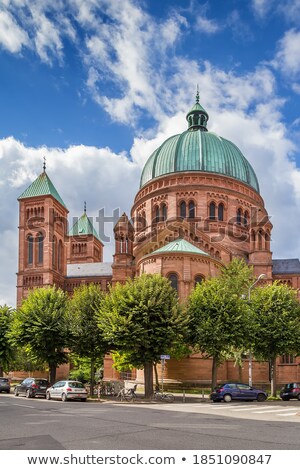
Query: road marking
pixel 287 414
pixel 43 422
pixel 275 410
pixel 247 408
pixel 24 406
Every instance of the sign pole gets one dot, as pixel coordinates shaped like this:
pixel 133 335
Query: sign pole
pixel 163 357
pixel 162 375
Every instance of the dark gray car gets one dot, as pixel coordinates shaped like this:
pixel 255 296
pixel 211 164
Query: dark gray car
pixel 4 385
pixel 32 387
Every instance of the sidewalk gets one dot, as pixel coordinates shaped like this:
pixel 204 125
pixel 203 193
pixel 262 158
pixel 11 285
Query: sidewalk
pixel 179 398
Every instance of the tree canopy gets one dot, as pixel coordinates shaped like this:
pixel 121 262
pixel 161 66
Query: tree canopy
pixel 142 319
pixel 220 319
pixel 87 337
pixel 276 312
pixel 6 348
pixel 42 326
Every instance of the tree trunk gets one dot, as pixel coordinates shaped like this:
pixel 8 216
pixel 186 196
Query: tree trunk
pixel 52 373
pixel 156 377
pixel 148 379
pixel 92 377
pixel 1 371
pixel 273 376
pixel 214 373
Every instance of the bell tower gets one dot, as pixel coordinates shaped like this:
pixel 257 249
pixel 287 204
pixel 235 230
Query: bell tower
pixel 123 266
pixel 42 237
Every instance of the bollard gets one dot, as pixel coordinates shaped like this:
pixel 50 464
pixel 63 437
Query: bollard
pixel 183 396
pixel 202 394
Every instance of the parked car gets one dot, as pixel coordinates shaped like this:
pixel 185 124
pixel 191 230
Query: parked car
pixel 4 385
pixel 32 387
pixel 67 390
pixel 291 390
pixel 237 391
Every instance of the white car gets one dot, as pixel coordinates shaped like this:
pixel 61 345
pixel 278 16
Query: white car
pixel 67 390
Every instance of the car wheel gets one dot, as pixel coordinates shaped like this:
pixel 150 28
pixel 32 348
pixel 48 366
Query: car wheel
pixel 298 397
pixel 7 391
pixel 28 393
pixel 48 396
pixel 227 398
pixel 82 399
pixel 261 397
pixel 285 398
pixel 16 393
pixel 64 397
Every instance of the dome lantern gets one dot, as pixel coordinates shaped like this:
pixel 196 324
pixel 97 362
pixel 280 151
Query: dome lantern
pixel 197 117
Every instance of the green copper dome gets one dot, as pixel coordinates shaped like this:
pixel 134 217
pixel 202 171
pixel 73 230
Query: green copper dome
pixel 199 150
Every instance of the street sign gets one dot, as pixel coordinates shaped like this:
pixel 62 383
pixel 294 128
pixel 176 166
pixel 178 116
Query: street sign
pixel 165 356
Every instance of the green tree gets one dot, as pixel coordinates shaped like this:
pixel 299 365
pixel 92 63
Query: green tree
pixel 277 324
pixel 220 319
pixel 142 319
pixel 6 348
pixel 41 325
pixel 23 360
pixel 87 337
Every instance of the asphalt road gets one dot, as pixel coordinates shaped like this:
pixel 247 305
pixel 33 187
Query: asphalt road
pixel 39 424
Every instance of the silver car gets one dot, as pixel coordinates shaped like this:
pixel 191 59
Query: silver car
pixel 67 390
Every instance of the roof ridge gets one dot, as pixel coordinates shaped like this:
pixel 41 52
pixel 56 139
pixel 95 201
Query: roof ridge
pixel 84 226
pixel 42 186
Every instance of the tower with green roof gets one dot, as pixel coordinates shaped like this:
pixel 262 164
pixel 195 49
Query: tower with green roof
pixel 42 236
pixel 84 242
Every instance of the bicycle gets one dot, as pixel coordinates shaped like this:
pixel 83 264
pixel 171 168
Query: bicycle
pixel 160 396
pixel 127 394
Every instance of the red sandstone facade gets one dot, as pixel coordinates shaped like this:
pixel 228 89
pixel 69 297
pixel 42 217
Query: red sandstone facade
pixel 220 216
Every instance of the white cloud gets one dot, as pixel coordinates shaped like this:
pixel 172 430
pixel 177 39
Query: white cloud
pixel 207 26
pixel 287 58
pixel 262 7
pixel 12 37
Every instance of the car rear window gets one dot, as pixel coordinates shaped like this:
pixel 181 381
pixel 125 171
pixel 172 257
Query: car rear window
pixel 41 382
pixel 4 380
pixel 76 385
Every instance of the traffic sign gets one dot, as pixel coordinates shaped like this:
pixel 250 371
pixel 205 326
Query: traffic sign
pixel 165 356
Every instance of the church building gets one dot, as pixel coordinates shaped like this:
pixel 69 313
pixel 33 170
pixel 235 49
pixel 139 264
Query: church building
pixel 198 207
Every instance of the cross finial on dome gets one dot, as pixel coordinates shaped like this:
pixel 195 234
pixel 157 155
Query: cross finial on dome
pixel 44 164
pixel 84 207
pixel 197 94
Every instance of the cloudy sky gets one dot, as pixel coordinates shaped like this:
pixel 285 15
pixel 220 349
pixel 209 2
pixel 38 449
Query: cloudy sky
pixel 96 86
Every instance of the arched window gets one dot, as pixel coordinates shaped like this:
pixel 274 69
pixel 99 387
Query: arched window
pixel 221 212
pixel 182 209
pixel 173 278
pixel 268 239
pixel 246 218
pixel 30 249
pixel 59 255
pixel 192 212
pixel 198 279
pixel 212 211
pixel 239 216
pixel 54 249
pixel 143 220
pixel 40 240
pixel 156 214
pixel 164 212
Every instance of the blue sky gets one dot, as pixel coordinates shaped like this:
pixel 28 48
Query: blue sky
pixel 96 86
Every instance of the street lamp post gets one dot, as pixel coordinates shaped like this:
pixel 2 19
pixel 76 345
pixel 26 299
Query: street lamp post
pixel 261 276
